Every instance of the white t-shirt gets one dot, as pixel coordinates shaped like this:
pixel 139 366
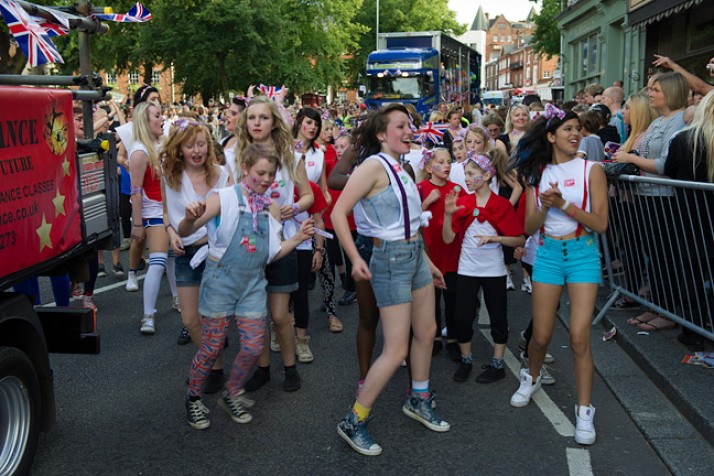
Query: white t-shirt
pixel 572 178
pixel 482 261
pixel 176 201
pixel 222 228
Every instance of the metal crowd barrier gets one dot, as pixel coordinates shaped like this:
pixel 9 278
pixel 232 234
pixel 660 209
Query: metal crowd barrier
pixel 665 248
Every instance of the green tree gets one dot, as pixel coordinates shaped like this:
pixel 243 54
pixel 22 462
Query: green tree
pixel 546 37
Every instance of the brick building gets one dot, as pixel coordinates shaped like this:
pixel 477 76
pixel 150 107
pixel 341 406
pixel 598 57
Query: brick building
pixel 126 83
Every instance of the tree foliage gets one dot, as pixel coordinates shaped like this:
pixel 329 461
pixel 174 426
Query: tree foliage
pixel 219 46
pixel 546 37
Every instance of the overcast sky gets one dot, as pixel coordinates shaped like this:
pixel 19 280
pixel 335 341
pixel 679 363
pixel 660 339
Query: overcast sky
pixel 512 9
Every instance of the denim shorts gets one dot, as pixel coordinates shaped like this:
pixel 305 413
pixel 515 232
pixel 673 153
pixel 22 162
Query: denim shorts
pixel 398 268
pixel 282 275
pixel 185 275
pixel 559 262
pixel 224 294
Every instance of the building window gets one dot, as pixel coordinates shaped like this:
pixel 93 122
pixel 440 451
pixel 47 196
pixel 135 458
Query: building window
pixel 501 26
pixel 155 77
pixel 546 74
pixel 134 77
pixel 112 77
pixel 503 38
pixel 587 55
pixel 509 38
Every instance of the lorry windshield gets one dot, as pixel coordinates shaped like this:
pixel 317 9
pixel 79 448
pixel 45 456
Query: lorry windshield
pixel 395 87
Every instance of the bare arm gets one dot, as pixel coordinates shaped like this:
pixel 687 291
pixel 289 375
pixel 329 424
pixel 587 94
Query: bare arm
pixel 138 166
pixel 596 219
pixel 534 217
pixel 697 84
pixel 198 214
pixel 341 172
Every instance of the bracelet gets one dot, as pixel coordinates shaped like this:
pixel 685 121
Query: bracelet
pixel 321 250
pixel 575 210
pixel 565 205
pixel 166 227
pixel 135 190
pixel 296 209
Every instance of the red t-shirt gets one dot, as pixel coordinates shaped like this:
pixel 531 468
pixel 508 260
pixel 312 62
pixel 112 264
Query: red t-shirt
pixel 445 257
pixel 330 162
pixel 320 203
pixel 498 212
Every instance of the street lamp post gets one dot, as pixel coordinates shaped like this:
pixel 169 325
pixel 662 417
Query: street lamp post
pixel 377 29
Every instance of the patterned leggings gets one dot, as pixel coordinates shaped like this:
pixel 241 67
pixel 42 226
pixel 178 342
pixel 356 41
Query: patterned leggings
pixel 252 334
pixel 327 283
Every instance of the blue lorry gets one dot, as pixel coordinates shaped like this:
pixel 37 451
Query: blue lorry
pixel 422 69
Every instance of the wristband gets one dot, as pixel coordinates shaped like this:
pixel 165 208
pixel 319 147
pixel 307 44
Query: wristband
pixel 575 210
pixel 296 209
pixel 565 205
pixel 166 227
pixel 321 250
pixel 135 190
pixel 138 226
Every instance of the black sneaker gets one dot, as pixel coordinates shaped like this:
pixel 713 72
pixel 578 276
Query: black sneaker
pixel 463 372
pixel 102 273
pixel 260 377
pixel 438 346
pixel 348 298
pixel 453 351
pixel 491 374
pixel 183 338
pixel 196 413
pixel 292 380
pixel 118 270
pixel 214 383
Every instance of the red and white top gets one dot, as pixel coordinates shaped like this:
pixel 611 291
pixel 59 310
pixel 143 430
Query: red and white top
pixel 151 206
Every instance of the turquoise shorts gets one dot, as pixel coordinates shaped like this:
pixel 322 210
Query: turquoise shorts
pixel 559 262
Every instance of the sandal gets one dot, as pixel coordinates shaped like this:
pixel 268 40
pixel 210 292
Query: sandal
pixel 657 324
pixel 643 318
pixel 334 324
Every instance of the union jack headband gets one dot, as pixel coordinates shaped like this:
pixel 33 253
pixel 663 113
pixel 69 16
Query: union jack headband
pixel 552 112
pixel 183 123
pixel 482 161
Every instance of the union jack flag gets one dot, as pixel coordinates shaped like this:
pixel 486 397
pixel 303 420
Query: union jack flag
pixel 33 40
pixel 432 132
pixel 52 29
pixel 269 91
pixel 137 14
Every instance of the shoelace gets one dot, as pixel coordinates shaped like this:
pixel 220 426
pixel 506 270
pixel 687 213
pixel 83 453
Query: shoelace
pixel 198 409
pixel 236 405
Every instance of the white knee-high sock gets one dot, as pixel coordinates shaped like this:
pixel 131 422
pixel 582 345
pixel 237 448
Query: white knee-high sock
pixel 171 272
pixel 152 282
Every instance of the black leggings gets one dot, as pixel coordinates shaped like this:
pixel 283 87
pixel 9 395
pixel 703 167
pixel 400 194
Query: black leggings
pixel 335 255
pixel 300 301
pixel 494 291
pixel 327 283
pixel 125 215
pixel 449 295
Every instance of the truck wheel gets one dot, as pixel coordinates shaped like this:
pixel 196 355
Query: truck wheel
pixel 20 409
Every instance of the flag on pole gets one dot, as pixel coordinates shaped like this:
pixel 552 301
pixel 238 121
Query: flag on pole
pixel 33 40
pixel 431 132
pixel 136 14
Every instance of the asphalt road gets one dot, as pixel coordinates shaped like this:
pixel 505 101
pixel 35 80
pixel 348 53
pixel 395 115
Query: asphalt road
pixel 122 412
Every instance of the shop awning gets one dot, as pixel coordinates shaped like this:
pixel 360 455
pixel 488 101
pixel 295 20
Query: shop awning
pixel 657 10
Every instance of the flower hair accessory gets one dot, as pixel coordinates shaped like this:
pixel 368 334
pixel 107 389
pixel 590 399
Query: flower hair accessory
pixel 482 161
pixel 183 123
pixel 461 135
pixel 552 112
pixel 411 124
pixel 426 156
pixel 298 146
pixel 325 115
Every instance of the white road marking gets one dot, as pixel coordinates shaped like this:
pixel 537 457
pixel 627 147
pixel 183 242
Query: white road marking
pixel 104 289
pixel 579 461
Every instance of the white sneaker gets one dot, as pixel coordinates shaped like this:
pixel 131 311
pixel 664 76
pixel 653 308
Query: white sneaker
pixel 525 390
pixel 274 342
pixel 302 349
pixel 584 425
pixel 527 285
pixel 88 302
pixel 509 283
pixel 176 304
pixel 147 324
pixel 546 378
pixel 548 359
pixel 132 283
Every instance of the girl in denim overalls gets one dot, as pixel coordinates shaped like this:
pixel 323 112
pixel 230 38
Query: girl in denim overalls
pixel 386 198
pixel 243 237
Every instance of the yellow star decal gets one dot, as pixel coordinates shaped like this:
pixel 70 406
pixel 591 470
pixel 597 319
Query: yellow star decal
pixel 44 233
pixel 59 204
pixel 65 166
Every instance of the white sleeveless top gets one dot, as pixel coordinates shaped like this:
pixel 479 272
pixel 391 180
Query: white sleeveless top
pixel 314 163
pixel 231 165
pixel 572 178
pixel 222 228
pixel 176 201
pixel 396 230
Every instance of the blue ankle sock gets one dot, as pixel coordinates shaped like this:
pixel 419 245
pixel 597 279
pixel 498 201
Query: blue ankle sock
pixel 467 359
pixel 497 363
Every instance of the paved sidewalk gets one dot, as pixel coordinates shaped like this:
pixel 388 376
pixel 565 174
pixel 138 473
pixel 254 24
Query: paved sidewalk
pixel 669 401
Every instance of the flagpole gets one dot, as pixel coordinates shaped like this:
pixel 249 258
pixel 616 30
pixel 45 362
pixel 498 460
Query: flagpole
pixel 85 68
pixel 377 36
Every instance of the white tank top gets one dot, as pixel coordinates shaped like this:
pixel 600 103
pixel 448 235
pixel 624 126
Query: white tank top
pixel 230 154
pixel 396 230
pixel 176 201
pixel 572 178
pixel 314 163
